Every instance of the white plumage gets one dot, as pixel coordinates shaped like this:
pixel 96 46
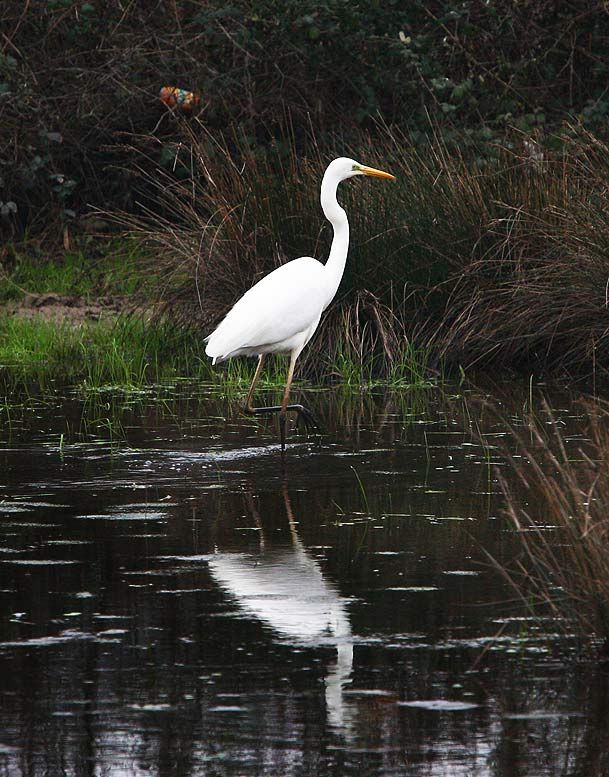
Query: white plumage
pixel 278 314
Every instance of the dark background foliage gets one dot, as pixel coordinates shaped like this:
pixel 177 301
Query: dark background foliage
pixel 76 76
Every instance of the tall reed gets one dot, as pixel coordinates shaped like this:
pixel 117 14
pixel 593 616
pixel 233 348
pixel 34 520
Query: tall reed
pixel 558 506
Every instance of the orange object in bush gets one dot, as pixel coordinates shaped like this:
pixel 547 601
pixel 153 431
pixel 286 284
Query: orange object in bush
pixel 174 97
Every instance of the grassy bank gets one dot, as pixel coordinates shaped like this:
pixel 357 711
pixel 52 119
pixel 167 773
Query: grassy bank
pixel 122 354
pixel 89 270
pixel 464 263
pixel 143 335
pixel 131 352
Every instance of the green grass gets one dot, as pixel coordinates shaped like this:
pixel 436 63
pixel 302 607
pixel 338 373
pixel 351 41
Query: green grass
pixel 75 273
pixel 129 353
pixel 409 368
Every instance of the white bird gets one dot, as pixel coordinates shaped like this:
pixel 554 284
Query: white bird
pixel 281 312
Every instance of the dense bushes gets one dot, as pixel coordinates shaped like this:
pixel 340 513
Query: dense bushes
pixel 75 75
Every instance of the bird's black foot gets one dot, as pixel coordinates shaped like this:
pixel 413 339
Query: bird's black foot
pixel 302 414
pixel 306 416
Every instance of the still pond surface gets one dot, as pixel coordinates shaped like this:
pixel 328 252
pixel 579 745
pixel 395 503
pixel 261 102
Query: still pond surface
pixel 174 602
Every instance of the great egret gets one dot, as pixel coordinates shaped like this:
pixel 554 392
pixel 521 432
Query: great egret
pixel 281 312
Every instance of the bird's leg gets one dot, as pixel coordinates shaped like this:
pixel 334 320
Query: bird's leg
pixel 250 394
pixel 286 399
pixel 303 413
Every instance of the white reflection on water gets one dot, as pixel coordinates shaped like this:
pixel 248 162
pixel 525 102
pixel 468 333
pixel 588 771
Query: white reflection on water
pixel 284 588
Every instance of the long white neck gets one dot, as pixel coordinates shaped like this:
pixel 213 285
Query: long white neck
pixel 335 266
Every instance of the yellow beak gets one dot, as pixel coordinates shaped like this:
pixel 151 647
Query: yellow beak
pixel 376 173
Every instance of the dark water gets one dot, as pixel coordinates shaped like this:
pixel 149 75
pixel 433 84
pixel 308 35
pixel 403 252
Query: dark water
pixel 174 603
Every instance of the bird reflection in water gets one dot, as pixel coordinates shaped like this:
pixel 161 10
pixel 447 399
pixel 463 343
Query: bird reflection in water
pixel 283 587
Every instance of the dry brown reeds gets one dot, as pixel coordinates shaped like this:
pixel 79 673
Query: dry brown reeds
pixel 559 506
pixel 503 263
pixel 537 295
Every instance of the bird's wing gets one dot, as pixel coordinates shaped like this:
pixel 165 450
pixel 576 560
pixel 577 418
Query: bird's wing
pixel 287 301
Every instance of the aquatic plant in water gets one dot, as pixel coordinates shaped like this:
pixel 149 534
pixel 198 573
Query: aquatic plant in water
pixel 557 505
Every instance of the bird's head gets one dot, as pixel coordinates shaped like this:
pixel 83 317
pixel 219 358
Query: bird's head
pixel 343 168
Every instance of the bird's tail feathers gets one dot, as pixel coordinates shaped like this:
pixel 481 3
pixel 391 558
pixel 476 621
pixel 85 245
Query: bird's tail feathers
pixel 214 349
